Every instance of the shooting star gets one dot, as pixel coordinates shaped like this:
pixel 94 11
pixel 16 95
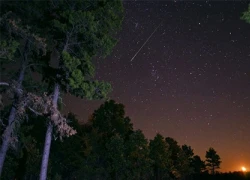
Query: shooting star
pixel 145 42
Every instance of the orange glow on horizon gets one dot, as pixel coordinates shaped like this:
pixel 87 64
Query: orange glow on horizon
pixel 243 169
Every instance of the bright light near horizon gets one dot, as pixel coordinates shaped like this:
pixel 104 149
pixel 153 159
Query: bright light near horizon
pixel 243 169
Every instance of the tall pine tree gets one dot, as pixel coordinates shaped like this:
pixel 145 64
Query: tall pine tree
pixel 79 30
pixel 212 160
pixel 18 45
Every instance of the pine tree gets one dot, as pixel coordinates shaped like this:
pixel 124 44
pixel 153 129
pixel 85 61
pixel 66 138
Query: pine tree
pixel 79 30
pixel 18 44
pixel 75 32
pixel 212 160
pixel 180 156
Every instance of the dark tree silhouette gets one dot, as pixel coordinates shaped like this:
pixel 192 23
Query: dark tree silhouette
pixel 212 160
pixel 160 154
pixel 197 164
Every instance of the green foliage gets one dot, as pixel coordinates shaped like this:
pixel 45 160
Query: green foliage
pixel 8 49
pixel 19 42
pixel 17 26
pixel 77 31
pixel 246 15
pixel 71 63
pixel 80 31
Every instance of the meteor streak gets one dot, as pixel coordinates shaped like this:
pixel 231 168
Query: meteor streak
pixel 145 42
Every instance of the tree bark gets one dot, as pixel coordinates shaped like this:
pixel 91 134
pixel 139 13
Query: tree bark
pixel 9 129
pixel 49 132
pixel 6 137
pixel 48 138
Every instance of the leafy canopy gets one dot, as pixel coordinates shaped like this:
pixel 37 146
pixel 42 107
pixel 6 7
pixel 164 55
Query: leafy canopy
pixel 246 15
pixel 81 30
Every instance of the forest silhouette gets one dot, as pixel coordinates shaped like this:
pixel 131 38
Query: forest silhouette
pixel 108 147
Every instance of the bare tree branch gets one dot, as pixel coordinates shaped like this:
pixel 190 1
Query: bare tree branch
pixel 34 111
pixel 4 84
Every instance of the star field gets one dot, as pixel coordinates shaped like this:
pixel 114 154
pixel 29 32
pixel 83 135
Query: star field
pixel 191 79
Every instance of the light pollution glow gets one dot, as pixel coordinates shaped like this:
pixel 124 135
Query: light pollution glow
pixel 243 169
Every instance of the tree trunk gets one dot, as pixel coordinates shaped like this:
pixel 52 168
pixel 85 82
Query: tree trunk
pixel 9 129
pixel 48 138
pixel 6 137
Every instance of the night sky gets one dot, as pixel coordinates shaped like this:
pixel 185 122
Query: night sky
pixel 190 81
